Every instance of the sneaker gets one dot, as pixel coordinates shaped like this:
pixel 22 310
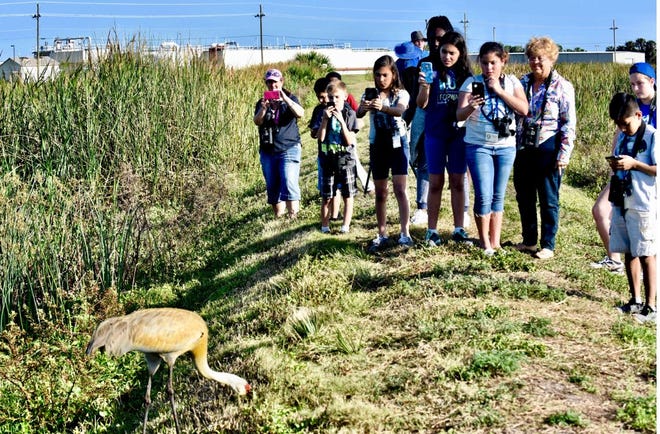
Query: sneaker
pixel 646 315
pixel 544 254
pixel 344 229
pixel 377 244
pixel 522 247
pixel 406 241
pixel 489 252
pixel 325 230
pixel 630 307
pixel 432 238
pixel 460 236
pixel 609 264
pixel 420 217
pixel 466 220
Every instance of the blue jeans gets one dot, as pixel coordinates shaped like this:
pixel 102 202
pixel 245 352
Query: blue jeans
pixel 535 173
pixel 281 171
pixel 490 167
pixel 422 175
pixel 418 158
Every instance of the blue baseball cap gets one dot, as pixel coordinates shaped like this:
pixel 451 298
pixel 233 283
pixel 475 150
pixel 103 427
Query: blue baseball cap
pixel 643 68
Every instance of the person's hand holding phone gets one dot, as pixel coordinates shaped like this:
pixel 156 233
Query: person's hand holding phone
pixel 620 162
pixel 330 109
pixel 478 94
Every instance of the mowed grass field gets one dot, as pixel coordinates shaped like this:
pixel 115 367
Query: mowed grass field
pixel 332 339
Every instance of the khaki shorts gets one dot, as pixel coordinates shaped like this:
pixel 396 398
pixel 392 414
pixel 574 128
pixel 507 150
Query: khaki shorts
pixel 633 233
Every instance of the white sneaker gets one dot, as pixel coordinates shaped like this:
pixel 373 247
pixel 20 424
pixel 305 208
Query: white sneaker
pixel 466 220
pixel 609 264
pixel 420 217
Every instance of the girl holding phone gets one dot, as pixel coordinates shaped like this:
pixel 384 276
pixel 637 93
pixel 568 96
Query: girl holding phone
pixel 443 139
pixel 388 147
pixel 490 142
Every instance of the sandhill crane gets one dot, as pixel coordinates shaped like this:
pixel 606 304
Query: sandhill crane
pixel 162 334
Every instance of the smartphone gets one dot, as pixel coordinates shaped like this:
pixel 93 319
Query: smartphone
pixel 613 157
pixel 330 104
pixel 427 69
pixel 272 94
pixel 371 93
pixel 477 89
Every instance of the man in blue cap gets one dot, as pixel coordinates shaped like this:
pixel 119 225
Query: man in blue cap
pixel 642 80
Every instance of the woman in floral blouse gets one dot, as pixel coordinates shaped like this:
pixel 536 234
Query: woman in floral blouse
pixel 545 138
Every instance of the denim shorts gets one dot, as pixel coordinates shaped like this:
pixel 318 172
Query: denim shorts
pixel 490 168
pixel 383 156
pixel 633 232
pixel 281 171
pixel 446 152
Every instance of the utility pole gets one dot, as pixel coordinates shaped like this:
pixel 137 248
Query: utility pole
pixel 465 22
pixel 261 31
pixel 37 16
pixel 613 29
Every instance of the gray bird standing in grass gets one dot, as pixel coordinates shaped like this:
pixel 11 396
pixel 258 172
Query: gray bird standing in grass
pixel 162 334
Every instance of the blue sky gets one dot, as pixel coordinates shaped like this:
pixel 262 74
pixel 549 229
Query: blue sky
pixel 377 23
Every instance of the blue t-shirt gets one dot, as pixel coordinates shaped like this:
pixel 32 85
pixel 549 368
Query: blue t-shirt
pixel 648 113
pixel 441 108
pixel 333 133
pixel 643 197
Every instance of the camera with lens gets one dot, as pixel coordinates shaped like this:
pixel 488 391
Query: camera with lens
pixel 267 132
pixel 502 126
pixel 530 135
pixel 619 189
pixel 266 137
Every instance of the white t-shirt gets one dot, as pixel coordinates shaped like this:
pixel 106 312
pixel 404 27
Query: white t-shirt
pixel 401 97
pixel 478 129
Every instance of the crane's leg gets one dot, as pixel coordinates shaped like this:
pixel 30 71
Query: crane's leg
pixel 147 404
pixel 170 391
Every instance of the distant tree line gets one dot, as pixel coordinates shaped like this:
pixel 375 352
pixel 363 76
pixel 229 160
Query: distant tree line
pixel 640 45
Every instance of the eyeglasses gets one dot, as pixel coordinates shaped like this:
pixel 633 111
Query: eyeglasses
pixel 539 59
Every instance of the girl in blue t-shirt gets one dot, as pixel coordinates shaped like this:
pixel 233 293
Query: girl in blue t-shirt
pixel 443 139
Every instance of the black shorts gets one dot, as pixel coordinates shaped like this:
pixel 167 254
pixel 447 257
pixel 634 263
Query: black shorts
pixel 383 156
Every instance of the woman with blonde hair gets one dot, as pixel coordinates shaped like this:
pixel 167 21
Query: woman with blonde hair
pixel 545 138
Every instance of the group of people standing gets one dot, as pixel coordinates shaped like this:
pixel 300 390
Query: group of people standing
pixel 487 125
pixel 483 124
